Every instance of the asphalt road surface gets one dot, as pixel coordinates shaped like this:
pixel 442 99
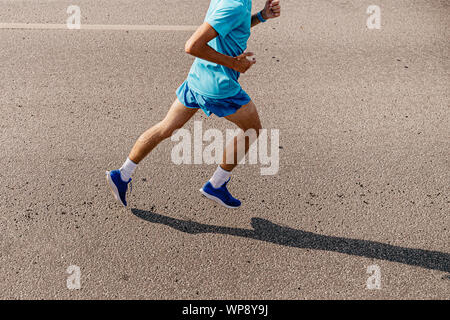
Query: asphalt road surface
pixel 363 182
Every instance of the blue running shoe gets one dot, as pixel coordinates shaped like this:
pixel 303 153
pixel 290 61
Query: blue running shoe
pixel 220 195
pixel 118 186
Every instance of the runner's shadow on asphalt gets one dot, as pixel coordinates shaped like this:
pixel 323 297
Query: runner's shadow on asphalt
pixel 264 230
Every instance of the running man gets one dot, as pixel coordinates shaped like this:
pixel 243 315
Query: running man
pixel 211 85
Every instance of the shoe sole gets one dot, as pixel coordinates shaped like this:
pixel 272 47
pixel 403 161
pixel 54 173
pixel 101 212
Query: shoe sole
pixel 210 197
pixel 113 188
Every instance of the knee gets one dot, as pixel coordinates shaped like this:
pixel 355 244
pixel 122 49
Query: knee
pixel 165 131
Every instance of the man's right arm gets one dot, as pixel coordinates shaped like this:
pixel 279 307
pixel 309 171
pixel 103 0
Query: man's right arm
pixel 198 46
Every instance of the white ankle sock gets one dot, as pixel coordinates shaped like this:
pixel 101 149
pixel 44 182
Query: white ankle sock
pixel 127 170
pixel 219 177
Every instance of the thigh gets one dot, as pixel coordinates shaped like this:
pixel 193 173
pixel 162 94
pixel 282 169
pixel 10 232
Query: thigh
pixel 246 117
pixel 178 115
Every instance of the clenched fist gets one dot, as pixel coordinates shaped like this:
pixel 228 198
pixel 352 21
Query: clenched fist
pixel 272 9
pixel 242 64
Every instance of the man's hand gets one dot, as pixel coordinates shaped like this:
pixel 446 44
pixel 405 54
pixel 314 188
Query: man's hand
pixel 242 64
pixel 272 9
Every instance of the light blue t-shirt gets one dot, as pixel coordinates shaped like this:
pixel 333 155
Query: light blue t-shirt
pixel 232 21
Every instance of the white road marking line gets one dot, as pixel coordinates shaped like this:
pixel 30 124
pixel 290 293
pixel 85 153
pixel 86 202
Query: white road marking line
pixel 50 26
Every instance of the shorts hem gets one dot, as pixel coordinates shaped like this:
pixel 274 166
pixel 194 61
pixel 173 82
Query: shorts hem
pixel 219 112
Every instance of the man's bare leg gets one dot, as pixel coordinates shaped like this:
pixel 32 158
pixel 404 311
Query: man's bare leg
pixel 118 180
pixel 247 119
pixel 177 116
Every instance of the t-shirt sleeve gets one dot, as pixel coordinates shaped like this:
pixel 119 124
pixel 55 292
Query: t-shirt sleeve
pixel 226 16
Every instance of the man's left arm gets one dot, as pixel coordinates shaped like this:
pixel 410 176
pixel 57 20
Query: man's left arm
pixel 271 10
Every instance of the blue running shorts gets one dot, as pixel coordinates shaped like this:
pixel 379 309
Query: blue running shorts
pixel 220 107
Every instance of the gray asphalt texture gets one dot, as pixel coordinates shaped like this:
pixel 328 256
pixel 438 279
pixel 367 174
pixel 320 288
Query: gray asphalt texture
pixel 364 120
